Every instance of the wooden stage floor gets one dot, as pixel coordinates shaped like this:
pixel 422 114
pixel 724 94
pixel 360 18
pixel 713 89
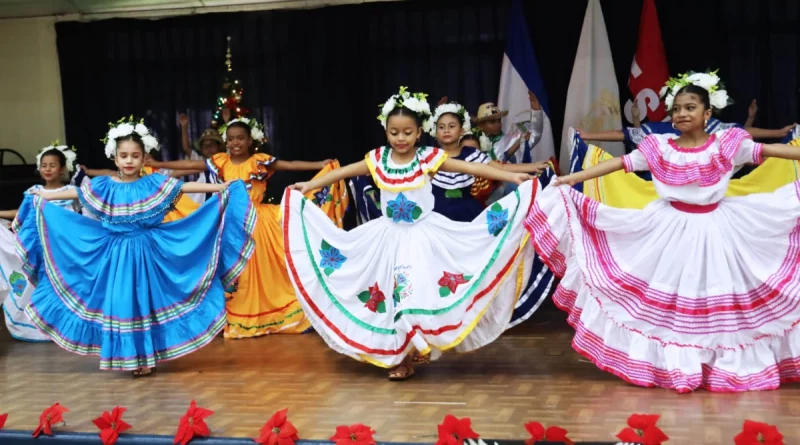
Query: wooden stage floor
pixel 529 374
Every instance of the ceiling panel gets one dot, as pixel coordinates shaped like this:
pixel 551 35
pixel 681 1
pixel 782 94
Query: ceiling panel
pixel 104 6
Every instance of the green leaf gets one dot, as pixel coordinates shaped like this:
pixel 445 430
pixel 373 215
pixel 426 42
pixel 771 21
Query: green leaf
pixel 328 271
pixel 389 212
pixel 364 296
pixel 444 291
pixel 416 213
pixel 467 277
pixel 496 207
pixel 382 307
pixel 325 245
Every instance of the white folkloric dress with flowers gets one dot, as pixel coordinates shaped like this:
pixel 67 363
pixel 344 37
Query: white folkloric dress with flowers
pixel 413 279
pixel 695 290
pixel 20 290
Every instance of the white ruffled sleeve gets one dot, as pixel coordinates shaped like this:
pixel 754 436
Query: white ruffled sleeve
pixel 634 161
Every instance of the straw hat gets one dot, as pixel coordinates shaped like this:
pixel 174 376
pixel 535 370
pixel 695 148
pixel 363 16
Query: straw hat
pixel 488 112
pixel 209 134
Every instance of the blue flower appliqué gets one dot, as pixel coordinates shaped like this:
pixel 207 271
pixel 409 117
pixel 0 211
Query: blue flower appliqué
pixel 403 210
pixel 322 195
pixel 18 283
pixel 331 258
pixel 496 219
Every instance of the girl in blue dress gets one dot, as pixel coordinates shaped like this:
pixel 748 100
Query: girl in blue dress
pixel 54 163
pixel 127 287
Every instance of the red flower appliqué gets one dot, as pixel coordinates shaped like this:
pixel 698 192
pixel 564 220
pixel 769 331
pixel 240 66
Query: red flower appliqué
pixel 192 424
pixel 50 417
pixel 3 418
pixel 111 425
pixel 642 429
pixel 454 431
pixel 375 297
pixel 357 434
pixel 757 433
pixel 278 430
pixel 452 281
pixel 551 434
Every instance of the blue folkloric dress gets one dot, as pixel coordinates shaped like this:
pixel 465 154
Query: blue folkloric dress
pixel 127 287
pixel 20 289
pixel 695 290
pixel 412 279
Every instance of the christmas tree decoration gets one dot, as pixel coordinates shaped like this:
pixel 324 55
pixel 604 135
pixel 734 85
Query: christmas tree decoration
pixel 230 96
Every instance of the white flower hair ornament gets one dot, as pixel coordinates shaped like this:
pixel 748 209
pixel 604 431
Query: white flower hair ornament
pixel 454 108
pixel 126 127
pixel 256 129
pixel 416 102
pixel 69 154
pixel 708 81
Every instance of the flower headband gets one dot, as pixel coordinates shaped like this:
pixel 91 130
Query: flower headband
pixel 69 154
pixel 126 127
pixel 456 109
pixel 416 102
pixel 256 129
pixel 708 81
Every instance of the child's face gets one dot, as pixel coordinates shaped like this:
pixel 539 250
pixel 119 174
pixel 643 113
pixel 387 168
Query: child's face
pixel 51 168
pixel 402 132
pixel 448 129
pixel 238 141
pixel 210 147
pixel 689 113
pixel 491 128
pixel 129 158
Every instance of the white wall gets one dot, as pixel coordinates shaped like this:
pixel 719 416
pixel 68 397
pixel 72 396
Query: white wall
pixel 31 110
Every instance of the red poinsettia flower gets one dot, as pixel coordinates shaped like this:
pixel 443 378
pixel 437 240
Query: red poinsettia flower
pixel 192 424
pixel 111 425
pixel 454 431
pixel 357 434
pixel 278 430
pixel 757 433
pixel 3 418
pixel 49 417
pixel 642 429
pixel 551 434
pixel 375 296
pixel 452 281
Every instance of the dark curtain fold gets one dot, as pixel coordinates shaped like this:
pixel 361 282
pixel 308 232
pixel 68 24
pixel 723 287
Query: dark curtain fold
pixel 320 73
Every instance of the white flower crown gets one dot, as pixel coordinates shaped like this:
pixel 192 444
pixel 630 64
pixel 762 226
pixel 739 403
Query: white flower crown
pixel 69 154
pixel 708 81
pixel 125 127
pixel 256 129
pixel 416 102
pixel 456 109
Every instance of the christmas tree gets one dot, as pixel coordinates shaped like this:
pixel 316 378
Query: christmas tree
pixel 231 95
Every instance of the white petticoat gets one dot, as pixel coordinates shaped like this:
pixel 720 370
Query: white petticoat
pixel 662 297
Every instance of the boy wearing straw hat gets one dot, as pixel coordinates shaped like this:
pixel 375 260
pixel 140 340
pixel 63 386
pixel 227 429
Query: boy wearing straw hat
pixel 209 144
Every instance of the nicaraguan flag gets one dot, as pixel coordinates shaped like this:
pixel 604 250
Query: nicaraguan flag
pixel 520 74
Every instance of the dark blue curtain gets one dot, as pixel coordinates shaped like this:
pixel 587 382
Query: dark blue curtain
pixel 322 72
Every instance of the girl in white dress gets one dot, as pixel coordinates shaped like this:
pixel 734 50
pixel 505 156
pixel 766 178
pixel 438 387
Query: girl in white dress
pixel 55 163
pixel 408 285
pixel 696 290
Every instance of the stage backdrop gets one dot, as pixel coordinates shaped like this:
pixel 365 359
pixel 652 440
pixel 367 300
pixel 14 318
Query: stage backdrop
pixel 318 75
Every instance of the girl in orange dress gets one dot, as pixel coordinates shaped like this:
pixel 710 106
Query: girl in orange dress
pixel 263 300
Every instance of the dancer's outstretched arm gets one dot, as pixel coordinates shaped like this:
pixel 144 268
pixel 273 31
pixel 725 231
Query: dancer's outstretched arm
pixel 199 187
pixel 185 164
pixel 56 196
pixel 8 214
pixel 608 136
pixel 483 171
pixel 783 151
pixel 601 169
pixel 300 165
pixel 358 169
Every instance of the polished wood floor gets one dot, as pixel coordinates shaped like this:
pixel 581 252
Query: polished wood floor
pixel 530 374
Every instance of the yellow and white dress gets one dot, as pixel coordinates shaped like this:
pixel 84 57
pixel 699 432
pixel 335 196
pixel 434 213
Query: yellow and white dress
pixel 412 279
